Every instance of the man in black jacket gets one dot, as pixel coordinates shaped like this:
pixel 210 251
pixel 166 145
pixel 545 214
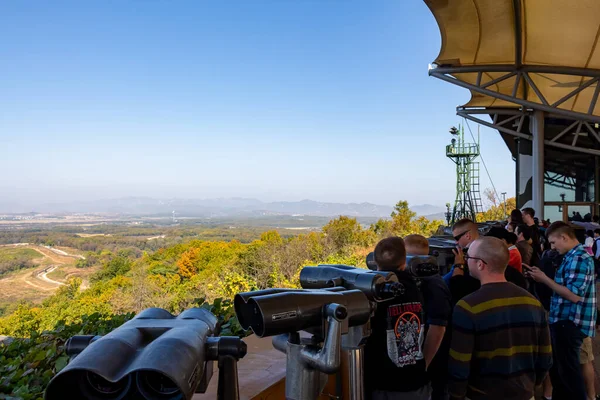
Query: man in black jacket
pixel 395 366
pixel 536 236
pixel 437 300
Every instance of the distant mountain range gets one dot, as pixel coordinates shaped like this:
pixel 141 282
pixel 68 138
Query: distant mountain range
pixel 223 207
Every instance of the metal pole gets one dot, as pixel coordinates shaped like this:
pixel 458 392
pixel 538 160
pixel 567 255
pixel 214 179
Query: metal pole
pixel 537 130
pixel 355 387
pixel 504 200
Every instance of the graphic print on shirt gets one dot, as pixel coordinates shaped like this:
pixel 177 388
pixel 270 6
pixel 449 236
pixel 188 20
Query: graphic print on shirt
pixel 405 333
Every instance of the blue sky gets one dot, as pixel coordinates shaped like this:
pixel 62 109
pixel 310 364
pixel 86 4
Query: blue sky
pixel 274 99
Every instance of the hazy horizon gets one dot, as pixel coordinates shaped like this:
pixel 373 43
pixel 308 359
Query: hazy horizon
pixel 101 203
pixel 279 101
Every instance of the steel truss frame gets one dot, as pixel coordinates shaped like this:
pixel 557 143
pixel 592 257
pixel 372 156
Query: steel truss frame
pixel 560 181
pixel 514 125
pixel 522 73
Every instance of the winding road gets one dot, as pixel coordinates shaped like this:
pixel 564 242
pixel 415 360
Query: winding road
pixel 33 284
pixel 43 275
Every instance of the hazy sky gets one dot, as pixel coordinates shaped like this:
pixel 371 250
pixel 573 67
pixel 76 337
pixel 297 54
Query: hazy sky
pixel 279 100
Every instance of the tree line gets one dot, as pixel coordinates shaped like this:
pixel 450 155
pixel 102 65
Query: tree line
pixel 175 277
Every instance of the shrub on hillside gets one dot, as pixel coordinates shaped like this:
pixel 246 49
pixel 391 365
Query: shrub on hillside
pixel 28 364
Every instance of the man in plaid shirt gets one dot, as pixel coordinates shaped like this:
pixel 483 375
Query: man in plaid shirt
pixel 572 310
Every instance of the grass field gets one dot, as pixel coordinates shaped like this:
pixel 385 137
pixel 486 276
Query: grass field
pixel 15 253
pixel 16 258
pixel 33 283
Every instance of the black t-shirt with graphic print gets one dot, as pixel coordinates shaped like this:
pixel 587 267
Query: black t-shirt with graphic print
pixel 394 352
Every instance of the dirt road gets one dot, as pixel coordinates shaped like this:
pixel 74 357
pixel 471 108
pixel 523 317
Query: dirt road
pixel 34 284
pixel 44 275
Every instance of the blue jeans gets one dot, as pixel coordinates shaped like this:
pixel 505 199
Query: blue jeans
pixel 565 374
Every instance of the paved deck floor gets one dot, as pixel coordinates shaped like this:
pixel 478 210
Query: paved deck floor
pixel 262 367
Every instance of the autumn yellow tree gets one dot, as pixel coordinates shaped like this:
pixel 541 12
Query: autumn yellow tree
pixel 496 209
pixel 187 263
pixel 346 233
pixel 405 222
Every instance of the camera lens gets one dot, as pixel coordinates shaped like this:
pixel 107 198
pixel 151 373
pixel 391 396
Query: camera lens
pixel 156 386
pixel 95 387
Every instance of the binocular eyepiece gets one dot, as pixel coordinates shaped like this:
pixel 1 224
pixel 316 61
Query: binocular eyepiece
pixel 422 266
pixel 155 356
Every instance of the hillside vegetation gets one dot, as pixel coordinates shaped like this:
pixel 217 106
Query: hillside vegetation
pixel 175 278
pixel 14 258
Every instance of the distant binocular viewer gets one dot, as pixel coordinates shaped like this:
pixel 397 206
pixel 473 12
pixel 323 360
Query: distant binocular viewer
pixel 376 285
pixel 155 356
pixel 417 266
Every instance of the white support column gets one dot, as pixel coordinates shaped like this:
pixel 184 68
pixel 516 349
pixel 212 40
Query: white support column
pixel 537 130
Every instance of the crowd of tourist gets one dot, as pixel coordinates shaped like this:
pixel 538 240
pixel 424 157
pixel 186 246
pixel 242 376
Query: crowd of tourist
pixel 514 316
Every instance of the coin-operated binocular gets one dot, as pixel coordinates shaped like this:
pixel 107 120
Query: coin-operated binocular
pixel 376 286
pixel 422 266
pixel 418 266
pixel 325 314
pixel 154 356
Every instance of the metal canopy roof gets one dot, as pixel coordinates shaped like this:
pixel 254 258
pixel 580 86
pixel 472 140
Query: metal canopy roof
pixel 539 54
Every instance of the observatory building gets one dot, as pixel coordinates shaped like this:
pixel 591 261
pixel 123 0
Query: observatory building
pixel 533 70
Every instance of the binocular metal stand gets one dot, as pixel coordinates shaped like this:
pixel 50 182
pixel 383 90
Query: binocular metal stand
pixel 353 351
pixel 308 363
pixel 227 350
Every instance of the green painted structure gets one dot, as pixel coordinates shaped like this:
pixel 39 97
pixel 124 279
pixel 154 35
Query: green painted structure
pixel 468 197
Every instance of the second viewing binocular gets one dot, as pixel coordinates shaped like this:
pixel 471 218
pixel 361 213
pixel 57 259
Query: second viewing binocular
pixel 155 356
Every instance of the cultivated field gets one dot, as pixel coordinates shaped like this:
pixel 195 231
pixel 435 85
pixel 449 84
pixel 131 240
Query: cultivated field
pixel 51 270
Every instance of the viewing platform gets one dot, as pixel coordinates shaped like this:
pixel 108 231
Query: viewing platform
pixel 464 150
pixel 262 373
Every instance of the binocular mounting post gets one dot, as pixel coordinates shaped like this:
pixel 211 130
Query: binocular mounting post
pixel 308 363
pixel 353 351
pixel 227 350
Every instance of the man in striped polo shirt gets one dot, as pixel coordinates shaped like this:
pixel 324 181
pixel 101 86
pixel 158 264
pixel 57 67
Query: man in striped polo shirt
pixel 500 338
pixel 572 310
